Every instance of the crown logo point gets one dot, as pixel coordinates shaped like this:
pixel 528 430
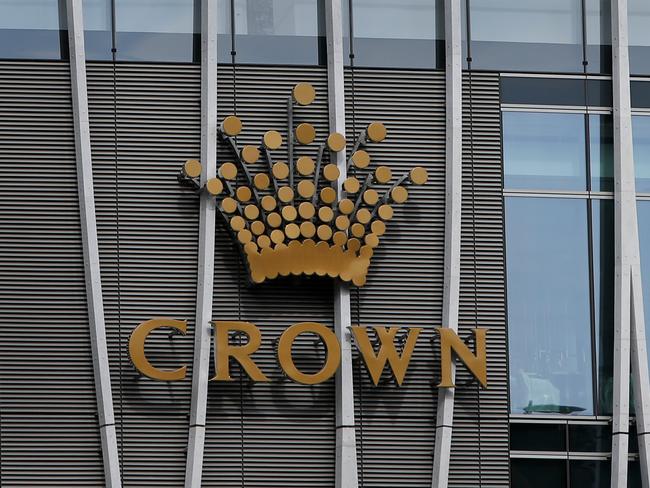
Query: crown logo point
pixel 287 216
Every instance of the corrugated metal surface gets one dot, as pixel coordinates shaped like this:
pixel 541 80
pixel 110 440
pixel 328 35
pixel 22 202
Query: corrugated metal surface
pixel 48 417
pixel 148 236
pixel 480 437
pixel 280 433
pixel 395 425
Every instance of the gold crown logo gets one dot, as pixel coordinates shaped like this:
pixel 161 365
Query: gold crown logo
pixel 287 217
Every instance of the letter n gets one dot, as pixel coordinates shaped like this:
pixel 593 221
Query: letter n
pixel 387 352
pixel 476 364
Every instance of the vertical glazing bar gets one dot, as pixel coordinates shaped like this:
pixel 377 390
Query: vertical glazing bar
pixel 90 247
pixel 453 194
pixel 346 445
pixel 207 224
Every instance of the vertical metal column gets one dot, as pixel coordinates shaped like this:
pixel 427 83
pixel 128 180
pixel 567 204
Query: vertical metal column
pixel 346 446
pixel 453 202
pixel 629 324
pixel 90 247
pixel 207 224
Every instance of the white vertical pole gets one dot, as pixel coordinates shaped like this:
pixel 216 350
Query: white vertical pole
pixel 453 202
pixel 346 448
pixel 207 224
pixel 90 247
pixel 629 324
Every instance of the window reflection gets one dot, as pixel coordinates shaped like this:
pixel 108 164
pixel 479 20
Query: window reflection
pixel 598 23
pixel 643 216
pixel 157 30
pixel 638 12
pixel 97 29
pixel 33 29
pixel 548 305
pixel 527 35
pixel 641 144
pixel 601 152
pixel 544 151
pixel 280 31
pixel 408 34
pixel 602 218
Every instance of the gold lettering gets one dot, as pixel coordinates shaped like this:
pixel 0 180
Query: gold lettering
pixel 387 351
pixel 332 358
pixel 223 351
pixel 136 349
pixel 476 364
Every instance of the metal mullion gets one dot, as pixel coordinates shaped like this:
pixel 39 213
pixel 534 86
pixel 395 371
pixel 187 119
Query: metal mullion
pixel 89 238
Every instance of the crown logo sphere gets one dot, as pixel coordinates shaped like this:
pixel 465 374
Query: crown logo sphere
pixel 303 216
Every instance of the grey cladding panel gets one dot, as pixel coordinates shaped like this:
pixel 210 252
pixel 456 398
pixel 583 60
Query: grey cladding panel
pixel 49 434
pixel 148 238
pixel 480 437
pixel 278 434
pixel 395 425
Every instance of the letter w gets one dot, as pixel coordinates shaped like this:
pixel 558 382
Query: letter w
pixel 387 352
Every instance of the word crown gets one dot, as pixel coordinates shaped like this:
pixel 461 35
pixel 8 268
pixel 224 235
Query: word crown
pixel 288 217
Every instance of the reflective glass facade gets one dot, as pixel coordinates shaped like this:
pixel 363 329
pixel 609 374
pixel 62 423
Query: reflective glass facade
pixel 560 261
pixel 33 29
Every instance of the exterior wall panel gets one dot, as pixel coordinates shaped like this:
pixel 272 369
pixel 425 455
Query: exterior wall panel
pixel 395 425
pixel 479 454
pixel 280 433
pixel 49 434
pixel 142 130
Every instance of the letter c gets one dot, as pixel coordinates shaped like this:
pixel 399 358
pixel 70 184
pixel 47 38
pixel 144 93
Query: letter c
pixel 136 349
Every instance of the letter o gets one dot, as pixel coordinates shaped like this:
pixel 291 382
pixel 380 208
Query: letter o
pixel 333 355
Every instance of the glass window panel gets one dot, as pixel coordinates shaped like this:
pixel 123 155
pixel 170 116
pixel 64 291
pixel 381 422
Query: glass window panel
pixel 537 437
pixel 544 151
pixel 641 144
pixel 97 25
pixel 157 30
pixel 538 473
pixel 549 330
pixel 591 473
pixel 407 34
pixel 542 91
pixel 224 32
pixel 280 31
pixel 527 35
pixel 602 218
pixel 601 152
pixel 634 474
pixel 639 36
pixel 590 438
pixel 32 29
pixel 599 36
pixel 643 216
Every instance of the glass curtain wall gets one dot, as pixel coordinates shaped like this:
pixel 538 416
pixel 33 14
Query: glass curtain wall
pixel 639 36
pixel 641 141
pixel 564 36
pixel 559 261
pixel 404 34
pixel 33 29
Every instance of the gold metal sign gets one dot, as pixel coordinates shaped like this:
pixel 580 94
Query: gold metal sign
pixel 386 355
pixel 286 217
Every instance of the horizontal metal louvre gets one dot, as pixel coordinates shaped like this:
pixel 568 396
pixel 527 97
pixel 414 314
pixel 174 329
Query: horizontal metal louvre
pixel 395 425
pixel 479 451
pixel 49 434
pixel 148 238
pixel 276 434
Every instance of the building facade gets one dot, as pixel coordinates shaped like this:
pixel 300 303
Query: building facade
pixel 531 119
